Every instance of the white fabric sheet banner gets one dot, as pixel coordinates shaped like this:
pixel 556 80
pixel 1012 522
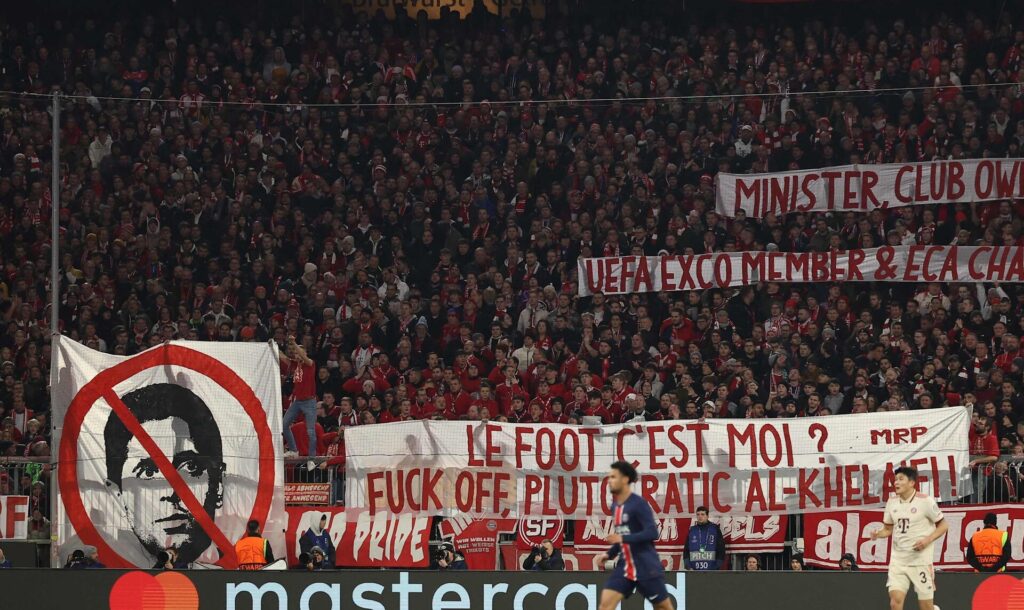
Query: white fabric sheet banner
pixel 735 467
pixel 862 188
pixel 628 274
pixel 179 446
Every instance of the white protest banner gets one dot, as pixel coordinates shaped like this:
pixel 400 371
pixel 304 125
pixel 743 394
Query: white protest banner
pixel 734 467
pixel 628 274
pixel 863 188
pixel 827 536
pixel 179 445
pixel 14 516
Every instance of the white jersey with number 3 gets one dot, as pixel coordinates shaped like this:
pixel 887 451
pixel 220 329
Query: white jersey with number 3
pixel 911 520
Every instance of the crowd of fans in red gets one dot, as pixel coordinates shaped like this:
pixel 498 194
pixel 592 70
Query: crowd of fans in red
pixel 420 238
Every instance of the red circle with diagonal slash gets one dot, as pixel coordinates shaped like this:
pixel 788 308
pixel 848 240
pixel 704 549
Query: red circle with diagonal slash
pixel 104 383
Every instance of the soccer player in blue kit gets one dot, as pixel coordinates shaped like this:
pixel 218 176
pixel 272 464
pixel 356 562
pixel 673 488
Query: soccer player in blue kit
pixel 638 567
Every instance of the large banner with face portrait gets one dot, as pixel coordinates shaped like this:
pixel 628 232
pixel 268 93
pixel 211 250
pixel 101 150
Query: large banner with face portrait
pixel 176 447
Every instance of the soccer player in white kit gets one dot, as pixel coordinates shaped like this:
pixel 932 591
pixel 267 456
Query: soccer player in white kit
pixel 915 522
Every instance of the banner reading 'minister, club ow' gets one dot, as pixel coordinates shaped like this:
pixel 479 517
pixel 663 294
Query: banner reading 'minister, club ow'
pixel 735 467
pixel 862 188
pixel 628 274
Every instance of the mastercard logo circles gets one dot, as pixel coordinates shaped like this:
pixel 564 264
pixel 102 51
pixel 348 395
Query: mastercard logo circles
pixel 165 591
pixel 1000 592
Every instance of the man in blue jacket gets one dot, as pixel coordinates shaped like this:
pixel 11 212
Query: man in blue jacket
pixel 705 545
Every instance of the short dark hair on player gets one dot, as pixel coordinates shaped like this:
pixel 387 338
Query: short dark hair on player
pixel 702 509
pixel 907 471
pixel 626 469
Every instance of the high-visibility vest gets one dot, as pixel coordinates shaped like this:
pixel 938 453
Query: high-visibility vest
pixel 988 546
pixel 251 553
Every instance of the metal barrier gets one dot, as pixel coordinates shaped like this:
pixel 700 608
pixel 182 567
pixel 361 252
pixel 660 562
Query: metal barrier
pixel 18 475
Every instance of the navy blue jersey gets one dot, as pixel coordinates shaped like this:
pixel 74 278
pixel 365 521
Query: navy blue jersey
pixel 634 520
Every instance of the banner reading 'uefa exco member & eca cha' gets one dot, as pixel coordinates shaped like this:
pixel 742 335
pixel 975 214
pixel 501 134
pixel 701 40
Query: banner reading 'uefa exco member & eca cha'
pixel 628 274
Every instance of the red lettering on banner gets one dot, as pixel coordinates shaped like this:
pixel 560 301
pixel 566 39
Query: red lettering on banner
pixel 752 267
pixel 590 433
pixel 673 499
pixel 972 268
pixel 746 190
pixel 926 271
pixel 619 437
pixel 869 179
pixel 716 479
pixel 805 483
pixel 521 445
pixel 833 487
pixel 796 266
pixel 545 458
pixel 983 179
pixel 912 267
pixel 755 495
pixel 703 283
pixel 808 192
pixel 723 271
pixel 1005 183
pixel 854 259
pixel 373 493
pixel 649 490
pixel 493 455
pixel 743 437
pixel 866 477
pixel 643 277
pixel 609 279
pixel 897 190
pixel 595 274
pixel 956 187
pixel 667 279
pixel 937 181
pixel 627 273
pixel 852 491
pixel 698 441
pixel 919 194
pixel 1015 271
pixel 563 450
pixel 15 511
pixel 678 443
pixel 472 460
pixel 653 451
pixel 851 186
pixel 830 188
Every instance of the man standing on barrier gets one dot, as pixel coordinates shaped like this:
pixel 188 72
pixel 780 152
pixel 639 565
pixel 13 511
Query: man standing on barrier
pixel 989 549
pixel 705 546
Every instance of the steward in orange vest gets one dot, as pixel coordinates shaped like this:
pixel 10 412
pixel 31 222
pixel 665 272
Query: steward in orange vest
pixel 989 549
pixel 253 551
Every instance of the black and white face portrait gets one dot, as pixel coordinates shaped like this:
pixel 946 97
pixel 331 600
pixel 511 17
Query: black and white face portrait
pixel 184 429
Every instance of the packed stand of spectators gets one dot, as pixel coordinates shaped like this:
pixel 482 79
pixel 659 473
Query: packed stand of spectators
pixel 419 240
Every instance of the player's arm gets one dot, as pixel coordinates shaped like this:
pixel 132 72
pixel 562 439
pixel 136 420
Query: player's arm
pixel 940 530
pixel 886 530
pixel 648 527
pixel 941 527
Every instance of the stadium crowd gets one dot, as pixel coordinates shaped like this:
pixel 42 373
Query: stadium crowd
pixel 408 199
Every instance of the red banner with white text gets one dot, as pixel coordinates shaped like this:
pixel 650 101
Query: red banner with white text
pixel 629 274
pixel 362 540
pixel 828 535
pixel 477 539
pixel 862 188
pixel 734 467
pixel 760 534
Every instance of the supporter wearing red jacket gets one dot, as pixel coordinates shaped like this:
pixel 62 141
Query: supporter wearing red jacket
pixel 983 442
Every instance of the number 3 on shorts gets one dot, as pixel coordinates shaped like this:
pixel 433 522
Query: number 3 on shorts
pixel 924 577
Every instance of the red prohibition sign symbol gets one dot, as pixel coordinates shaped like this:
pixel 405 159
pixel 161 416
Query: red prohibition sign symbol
pixel 102 386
